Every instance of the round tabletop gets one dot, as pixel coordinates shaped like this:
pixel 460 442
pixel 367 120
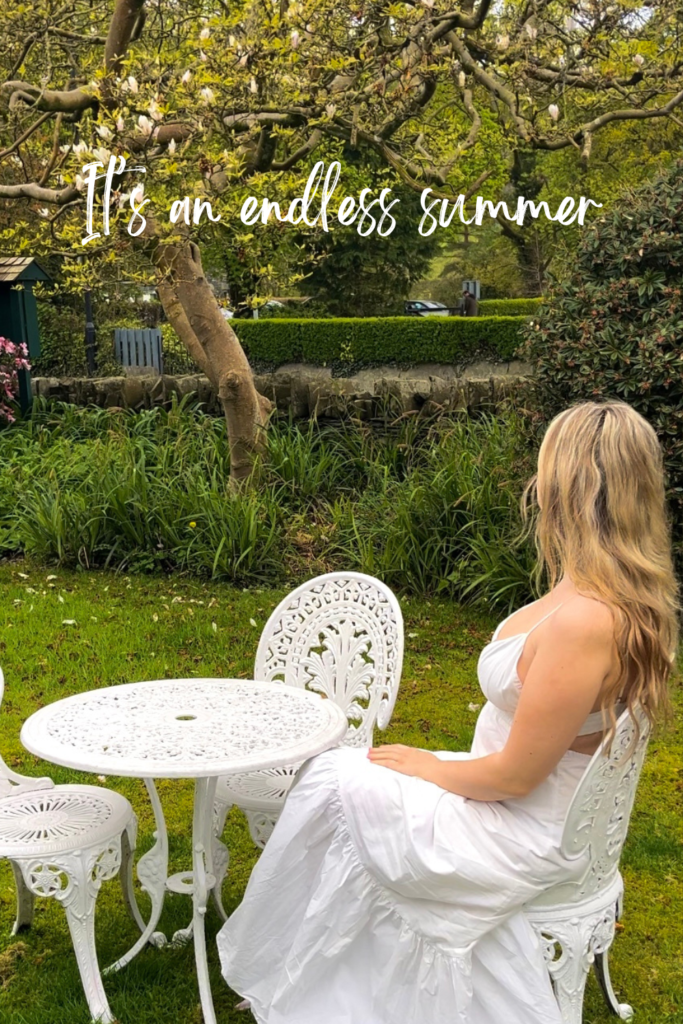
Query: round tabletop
pixel 184 728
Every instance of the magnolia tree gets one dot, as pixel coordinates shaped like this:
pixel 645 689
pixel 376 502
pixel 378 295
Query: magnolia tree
pixel 222 101
pixel 12 359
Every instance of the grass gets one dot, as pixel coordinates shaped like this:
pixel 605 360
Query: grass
pixel 132 627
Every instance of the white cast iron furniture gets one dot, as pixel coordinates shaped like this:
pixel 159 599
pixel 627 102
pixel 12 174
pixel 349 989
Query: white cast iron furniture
pixel 340 635
pixel 576 921
pixel 184 729
pixel 64 841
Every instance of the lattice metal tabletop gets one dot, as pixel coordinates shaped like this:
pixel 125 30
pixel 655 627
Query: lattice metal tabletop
pixel 184 728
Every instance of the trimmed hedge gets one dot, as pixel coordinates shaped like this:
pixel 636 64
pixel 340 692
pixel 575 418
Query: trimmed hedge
pixel 373 340
pixel 509 307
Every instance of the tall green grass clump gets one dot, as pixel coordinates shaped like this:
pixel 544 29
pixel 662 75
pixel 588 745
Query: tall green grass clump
pixel 428 506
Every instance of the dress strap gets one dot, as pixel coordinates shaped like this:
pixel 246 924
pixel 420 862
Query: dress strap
pixel 508 617
pixel 545 617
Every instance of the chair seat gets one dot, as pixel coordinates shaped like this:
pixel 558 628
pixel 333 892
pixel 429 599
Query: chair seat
pixel 264 790
pixel 60 820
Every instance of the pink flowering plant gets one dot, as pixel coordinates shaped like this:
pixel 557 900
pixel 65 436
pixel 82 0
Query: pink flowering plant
pixel 12 359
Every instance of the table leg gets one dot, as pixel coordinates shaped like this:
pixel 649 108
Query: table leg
pixel 204 881
pixel 152 872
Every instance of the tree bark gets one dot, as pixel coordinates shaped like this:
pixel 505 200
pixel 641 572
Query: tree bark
pixel 194 313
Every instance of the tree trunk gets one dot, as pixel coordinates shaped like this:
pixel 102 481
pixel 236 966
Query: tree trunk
pixel 532 258
pixel 194 313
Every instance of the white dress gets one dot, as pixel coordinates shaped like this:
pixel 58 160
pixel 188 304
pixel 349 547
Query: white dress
pixel 382 899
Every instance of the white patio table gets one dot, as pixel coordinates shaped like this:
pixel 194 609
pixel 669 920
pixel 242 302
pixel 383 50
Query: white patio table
pixel 184 729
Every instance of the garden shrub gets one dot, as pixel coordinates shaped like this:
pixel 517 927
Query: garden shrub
pixel 614 328
pixel 350 341
pixel 62 342
pixel 372 340
pixel 509 307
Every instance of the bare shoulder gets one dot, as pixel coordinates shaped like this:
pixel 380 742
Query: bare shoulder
pixel 583 621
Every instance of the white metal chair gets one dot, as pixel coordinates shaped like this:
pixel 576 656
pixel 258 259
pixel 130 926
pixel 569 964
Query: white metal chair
pixel 575 921
pixel 340 635
pixel 64 841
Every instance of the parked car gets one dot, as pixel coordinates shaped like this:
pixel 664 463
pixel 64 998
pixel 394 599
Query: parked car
pixel 425 307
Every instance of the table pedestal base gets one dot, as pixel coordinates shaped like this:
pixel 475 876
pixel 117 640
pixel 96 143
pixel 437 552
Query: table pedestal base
pixel 152 872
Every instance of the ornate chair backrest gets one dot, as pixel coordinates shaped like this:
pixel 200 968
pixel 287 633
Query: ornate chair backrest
pixel 10 782
pixel 340 635
pixel 599 814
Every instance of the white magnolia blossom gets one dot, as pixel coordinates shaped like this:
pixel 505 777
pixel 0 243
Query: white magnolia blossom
pixel 80 148
pixel 101 154
pixel 132 84
pixel 202 55
pixel 154 110
pixel 207 94
pixel 145 125
pixel 295 38
pixel 243 60
pixel 65 148
pixel 461 79
pixel 205 33
pixel 253 85
pixel 187 75
pixel 136 194
pixel 104 132
pixel 44 212
pixel 172 147
pixel 554 111
pixel 639 60
pixel 330 109
pixel 120 124
pixel 310 28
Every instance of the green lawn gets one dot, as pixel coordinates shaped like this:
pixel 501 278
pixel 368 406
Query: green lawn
pixel 132 628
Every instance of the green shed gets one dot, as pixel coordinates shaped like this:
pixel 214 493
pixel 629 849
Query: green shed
pixel 18 311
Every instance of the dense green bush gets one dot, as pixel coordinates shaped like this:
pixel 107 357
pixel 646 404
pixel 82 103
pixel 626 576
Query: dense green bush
pixel 429 507
pixel 403 339
pixel 275 340
pixel 62 342
pixel 614 328
pixel 509 307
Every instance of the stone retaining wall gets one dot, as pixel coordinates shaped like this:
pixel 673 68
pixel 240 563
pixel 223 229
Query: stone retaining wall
pixel 304 390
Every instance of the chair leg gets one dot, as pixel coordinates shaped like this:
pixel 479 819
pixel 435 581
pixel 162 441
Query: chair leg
pixel 128 842
pixel 74 880
pixel 568 970
pixel 25 902
pixel 220 856
pixel 601 967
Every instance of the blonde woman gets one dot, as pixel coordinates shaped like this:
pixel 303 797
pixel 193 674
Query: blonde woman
pixel 391 889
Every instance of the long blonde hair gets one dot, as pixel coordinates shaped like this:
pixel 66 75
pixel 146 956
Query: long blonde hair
pixel 601 519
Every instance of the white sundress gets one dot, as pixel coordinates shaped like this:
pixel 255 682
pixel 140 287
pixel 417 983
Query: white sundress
pixel 381 898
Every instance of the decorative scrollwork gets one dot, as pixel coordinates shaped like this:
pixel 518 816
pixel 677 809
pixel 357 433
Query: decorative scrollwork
pixel 46 879
pixel 599 815
pixel 340 635
pixel 182 725
pixel 52 816
pixel 570 945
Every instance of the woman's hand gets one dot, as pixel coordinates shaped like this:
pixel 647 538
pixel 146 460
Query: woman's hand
pixel 407 760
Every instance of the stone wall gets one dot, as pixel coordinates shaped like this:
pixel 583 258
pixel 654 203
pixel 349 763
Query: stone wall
pixel 304 390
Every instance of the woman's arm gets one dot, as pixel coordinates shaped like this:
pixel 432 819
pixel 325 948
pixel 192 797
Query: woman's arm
pixel 573 656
